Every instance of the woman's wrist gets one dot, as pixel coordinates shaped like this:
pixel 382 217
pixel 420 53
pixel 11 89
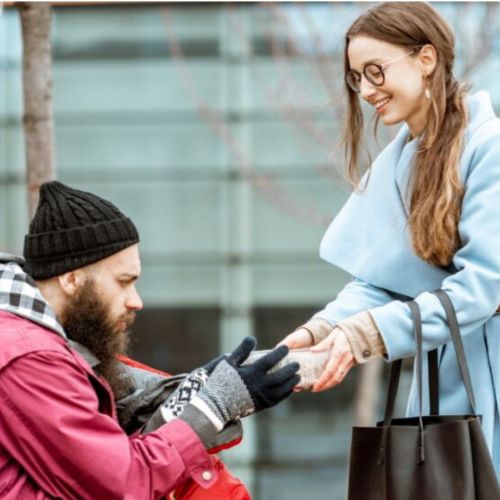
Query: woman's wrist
pixel 317 328
pixel 364 336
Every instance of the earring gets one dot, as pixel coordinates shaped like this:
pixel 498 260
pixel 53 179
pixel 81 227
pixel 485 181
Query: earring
pixel 427 89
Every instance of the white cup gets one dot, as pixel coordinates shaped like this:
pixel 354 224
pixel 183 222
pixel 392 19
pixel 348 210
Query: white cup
pixel 312 364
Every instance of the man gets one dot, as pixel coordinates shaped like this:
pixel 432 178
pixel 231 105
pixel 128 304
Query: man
pixel 71 308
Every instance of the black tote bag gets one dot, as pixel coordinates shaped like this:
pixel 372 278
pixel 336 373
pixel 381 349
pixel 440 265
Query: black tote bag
pixel 436 457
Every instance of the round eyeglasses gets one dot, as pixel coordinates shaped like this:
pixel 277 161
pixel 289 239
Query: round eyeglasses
pixel 374 73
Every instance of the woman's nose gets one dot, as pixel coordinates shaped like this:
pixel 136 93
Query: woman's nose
pixel 366 89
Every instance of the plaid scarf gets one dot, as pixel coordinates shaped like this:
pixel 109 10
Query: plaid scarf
pixel 19 295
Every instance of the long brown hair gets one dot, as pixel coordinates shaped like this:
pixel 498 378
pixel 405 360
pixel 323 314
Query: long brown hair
pixel 437 190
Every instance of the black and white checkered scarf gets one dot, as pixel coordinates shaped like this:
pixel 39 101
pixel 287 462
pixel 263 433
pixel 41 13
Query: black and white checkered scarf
pixel 19 295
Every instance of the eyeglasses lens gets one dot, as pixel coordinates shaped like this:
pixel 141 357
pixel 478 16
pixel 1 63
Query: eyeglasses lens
pixel 372 72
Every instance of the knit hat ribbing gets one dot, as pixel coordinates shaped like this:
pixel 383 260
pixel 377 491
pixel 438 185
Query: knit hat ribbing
pixel 72 229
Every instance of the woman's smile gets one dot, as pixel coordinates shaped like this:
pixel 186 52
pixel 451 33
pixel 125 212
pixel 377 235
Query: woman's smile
pixel 380 105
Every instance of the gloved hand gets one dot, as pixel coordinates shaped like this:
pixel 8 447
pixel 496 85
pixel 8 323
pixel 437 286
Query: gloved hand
pixel 209 367
pixel 234 391
pixel 187 389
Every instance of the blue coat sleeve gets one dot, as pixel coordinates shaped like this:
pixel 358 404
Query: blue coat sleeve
pixel 355 297
pixel 475 288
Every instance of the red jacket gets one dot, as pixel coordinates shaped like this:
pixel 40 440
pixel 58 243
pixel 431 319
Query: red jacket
pixel 59 436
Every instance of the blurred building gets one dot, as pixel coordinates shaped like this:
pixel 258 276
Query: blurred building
pixel 215 127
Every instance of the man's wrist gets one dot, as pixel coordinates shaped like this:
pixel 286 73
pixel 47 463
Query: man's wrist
pixel 225 396
pixel 201 424
pixel 214 417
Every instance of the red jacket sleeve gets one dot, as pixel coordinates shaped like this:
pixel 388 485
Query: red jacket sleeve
pixel 52 427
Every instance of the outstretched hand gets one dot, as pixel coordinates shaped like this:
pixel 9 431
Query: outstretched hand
pixel 234 390
pixel 340 362
pixel 266 389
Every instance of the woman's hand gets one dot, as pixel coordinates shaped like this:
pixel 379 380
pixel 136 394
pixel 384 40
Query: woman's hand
pixel 340 362
pixel 298 339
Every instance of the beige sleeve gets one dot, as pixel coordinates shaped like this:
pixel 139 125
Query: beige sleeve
pixel 364 337
pixel 318 328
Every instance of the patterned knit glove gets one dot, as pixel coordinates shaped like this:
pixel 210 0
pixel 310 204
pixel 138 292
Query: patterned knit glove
pixel 188 388
pixel 234 391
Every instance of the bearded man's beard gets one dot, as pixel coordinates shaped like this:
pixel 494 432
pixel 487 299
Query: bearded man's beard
pixel 86 320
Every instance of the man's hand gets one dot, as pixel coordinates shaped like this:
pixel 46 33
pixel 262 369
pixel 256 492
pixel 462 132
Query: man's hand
pixel 340 362
pixel 234 391
pixel 266 389
pixel 210 366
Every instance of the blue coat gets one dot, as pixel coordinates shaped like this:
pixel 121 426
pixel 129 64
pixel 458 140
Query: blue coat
pixel 369 239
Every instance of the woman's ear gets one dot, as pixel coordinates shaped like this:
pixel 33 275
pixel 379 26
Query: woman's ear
pixel 427 58
pixel 71 282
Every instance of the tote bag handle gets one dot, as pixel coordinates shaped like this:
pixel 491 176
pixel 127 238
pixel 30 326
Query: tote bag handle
pixel 458 344
pixel 433 371
pixel 433 368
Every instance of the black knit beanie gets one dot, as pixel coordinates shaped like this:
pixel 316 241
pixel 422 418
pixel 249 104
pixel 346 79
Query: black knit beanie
pixel 72 229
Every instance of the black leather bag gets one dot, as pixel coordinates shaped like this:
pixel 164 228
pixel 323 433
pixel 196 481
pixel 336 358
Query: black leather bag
pixel 436 457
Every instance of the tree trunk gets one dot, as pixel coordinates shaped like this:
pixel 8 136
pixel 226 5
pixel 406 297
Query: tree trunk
pixel 37 87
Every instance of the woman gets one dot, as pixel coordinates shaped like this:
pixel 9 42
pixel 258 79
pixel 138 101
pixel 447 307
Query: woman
pixel 425 216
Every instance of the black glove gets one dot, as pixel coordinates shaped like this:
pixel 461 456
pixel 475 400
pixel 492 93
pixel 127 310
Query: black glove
pixel 266 389
pixel 234 391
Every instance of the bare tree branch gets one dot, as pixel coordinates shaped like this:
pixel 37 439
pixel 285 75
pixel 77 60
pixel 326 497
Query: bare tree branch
pixel 265 185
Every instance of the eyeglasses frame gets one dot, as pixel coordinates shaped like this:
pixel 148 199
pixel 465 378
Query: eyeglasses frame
pixel 380 67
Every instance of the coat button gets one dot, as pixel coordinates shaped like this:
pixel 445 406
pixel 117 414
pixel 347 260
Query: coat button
pixel 366 354
pixel 206 475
